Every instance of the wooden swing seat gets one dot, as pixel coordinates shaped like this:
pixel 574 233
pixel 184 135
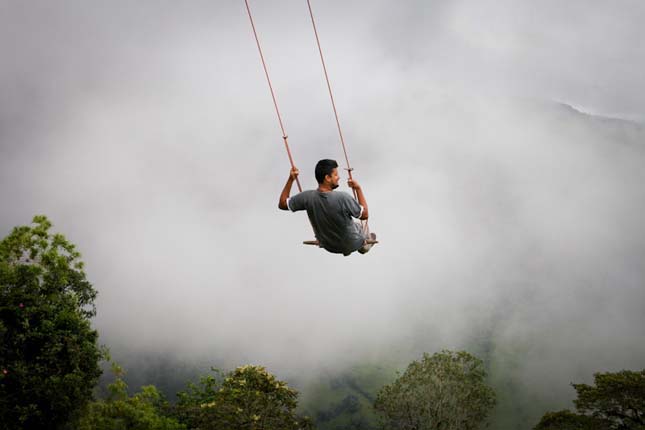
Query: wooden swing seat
pixel 315 242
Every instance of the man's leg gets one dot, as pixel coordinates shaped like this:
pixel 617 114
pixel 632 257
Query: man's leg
pixel 367 235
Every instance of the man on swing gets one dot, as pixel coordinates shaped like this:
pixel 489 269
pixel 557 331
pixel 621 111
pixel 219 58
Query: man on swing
pixel 330 213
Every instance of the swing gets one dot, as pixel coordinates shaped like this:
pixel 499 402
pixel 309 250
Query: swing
pixel 333 104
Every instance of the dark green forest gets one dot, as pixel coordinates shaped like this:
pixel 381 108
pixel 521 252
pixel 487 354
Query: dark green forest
pixel 55 374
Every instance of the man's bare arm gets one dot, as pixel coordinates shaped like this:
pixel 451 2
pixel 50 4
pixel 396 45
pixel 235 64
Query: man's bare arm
pixel 361 197
pixel 282 204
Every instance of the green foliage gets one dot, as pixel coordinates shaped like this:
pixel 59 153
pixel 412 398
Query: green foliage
pixel 444 391
pixel 142 411
pixel 567 420
pixel 48 351
pixel 615 401
pixel 616 397
pixel 247 398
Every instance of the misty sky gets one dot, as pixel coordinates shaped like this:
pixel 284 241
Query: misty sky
pixel 500 145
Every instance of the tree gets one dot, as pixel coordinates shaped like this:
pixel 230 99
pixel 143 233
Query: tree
pixel 49 357
pixel 615 401
pixel 567 420
pixel 618 398
pixel 142 411
pixel 248 398
pixel 444 391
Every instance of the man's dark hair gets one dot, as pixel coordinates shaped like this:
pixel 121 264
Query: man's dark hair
pixel 324 168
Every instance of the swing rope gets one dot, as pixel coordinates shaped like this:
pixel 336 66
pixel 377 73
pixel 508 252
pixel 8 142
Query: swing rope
pixel 331 95
pixel 275 103
pixel 333 104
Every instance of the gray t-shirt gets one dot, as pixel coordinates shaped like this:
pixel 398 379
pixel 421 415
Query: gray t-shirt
pixel 331 215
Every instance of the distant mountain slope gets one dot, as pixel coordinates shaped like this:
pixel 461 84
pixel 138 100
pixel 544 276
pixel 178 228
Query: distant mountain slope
pixel 344 401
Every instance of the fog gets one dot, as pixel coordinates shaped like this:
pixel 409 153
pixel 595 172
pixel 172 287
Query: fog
pixel 500 146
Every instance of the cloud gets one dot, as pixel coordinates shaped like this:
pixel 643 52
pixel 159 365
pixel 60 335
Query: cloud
pixel 504 201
